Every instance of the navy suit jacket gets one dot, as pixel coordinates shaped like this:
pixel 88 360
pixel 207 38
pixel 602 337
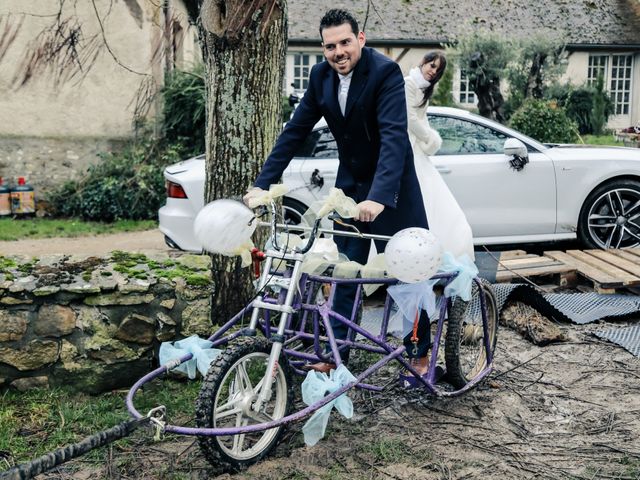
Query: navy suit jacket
pixel 376 159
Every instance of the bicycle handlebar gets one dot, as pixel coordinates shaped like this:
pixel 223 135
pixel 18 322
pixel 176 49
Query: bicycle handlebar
pixel 315 230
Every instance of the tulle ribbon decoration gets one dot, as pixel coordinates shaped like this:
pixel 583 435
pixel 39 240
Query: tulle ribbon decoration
pixel 411 298
pixel 314 388
pixel 265 197
pixel 467 271
pixel 336 201
pixel 202 352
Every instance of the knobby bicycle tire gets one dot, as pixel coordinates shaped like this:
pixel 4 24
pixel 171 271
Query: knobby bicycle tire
pixel 461 332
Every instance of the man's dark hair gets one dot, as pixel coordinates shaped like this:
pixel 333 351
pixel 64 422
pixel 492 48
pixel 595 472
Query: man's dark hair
pixel 336 17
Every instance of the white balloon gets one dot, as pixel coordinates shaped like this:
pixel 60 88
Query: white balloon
pixel 224 225
pixel 413 255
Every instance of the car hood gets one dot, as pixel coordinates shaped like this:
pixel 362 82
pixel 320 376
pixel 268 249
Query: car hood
pixel 593 153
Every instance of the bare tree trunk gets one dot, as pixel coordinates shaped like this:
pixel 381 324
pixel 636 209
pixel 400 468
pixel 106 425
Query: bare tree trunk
pixel 244 44
pixel 535 81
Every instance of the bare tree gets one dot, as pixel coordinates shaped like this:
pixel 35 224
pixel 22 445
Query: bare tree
pixel 484 57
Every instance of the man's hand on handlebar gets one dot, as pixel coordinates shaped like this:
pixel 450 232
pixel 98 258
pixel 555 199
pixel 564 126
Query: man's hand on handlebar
pixel 369 210
pixel 253 192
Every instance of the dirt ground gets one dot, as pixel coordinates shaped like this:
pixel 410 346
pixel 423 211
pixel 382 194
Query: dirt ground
pixel 568 410
pixel 145 241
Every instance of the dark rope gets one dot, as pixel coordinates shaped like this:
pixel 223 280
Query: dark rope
pixel 62 455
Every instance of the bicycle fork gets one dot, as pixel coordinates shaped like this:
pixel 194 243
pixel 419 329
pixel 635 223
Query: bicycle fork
pixel 286 310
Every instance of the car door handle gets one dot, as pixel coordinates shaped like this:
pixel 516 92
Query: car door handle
pixel 443 169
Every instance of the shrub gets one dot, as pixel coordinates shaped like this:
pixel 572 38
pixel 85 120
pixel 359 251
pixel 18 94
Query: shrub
pixel 183 97
pixel 129 184
pixel 443 95
pixel 579 105
pixel 588 105
pixel 602 108
pixel 545 121
pixel 125 185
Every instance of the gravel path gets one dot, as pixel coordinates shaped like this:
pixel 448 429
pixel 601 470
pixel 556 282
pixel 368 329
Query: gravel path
pixel 144 241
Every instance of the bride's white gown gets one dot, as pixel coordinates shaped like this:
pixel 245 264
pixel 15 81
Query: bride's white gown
pixel 446 219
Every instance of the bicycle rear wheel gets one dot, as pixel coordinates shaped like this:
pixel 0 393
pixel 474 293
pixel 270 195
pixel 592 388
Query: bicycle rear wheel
pixel 465 351
pixel 226 400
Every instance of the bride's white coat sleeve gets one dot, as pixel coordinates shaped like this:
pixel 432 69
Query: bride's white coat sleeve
pixel 426 138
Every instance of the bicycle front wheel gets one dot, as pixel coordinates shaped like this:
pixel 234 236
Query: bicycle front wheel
pixel 227 398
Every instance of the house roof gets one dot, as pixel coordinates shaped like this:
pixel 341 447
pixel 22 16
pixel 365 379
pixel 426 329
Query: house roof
pixel 577 22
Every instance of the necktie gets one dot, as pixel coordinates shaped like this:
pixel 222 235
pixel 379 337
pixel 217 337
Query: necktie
pixel 342 94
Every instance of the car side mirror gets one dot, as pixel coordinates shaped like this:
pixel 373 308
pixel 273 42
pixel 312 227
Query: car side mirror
pixel 513 146
pixel 518 151
pixel 316 179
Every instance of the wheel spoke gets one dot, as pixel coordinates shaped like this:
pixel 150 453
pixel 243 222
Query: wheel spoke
pixel 633 222
pixel 634 207
pixel 597 216
pixel 227 413
pixel 619 203
pixel 260 417
pixel 611 206
pixel 630 232
pixel 238 440
pixel 610 239
pixel 620 237
pixel 245 381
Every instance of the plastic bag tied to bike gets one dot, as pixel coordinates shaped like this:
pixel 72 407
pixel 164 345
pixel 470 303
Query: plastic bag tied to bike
pixel 314 388
pixel 202 352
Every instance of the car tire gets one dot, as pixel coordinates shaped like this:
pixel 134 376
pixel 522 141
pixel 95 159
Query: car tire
pixel 293 211
pixel 610 216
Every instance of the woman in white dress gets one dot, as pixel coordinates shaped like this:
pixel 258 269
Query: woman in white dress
pixel 446 219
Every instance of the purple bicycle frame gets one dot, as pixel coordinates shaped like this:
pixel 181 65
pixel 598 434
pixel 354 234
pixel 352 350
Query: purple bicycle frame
pixel 321 314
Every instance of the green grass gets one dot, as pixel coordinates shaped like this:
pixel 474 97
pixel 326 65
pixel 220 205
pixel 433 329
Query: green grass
pixel 387 450
pixel 11 229
pixel 38 421
pixel 608 140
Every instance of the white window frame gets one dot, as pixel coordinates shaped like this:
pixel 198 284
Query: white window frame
pixel 618 78
pixel 620 83
pixel 598 65
pixel 466 95
pixel 301 67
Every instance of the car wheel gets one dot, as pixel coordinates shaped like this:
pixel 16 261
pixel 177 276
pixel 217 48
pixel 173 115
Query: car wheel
pixel 610 217
pixel 293 211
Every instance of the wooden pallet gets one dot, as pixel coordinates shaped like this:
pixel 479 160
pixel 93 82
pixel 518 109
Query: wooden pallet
pixel 516 264
pixel 609 270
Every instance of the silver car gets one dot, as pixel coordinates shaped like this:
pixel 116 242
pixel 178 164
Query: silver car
pixel 512 188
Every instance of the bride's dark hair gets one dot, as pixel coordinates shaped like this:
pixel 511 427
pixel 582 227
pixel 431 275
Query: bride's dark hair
pixel 430 57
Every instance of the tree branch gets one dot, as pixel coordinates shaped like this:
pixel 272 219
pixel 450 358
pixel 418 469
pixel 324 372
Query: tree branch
pixel 106 44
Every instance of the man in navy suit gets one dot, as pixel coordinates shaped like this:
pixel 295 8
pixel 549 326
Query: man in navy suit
pixel 360 93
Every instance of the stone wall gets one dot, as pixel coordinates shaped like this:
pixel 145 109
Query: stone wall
pixel 96 323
